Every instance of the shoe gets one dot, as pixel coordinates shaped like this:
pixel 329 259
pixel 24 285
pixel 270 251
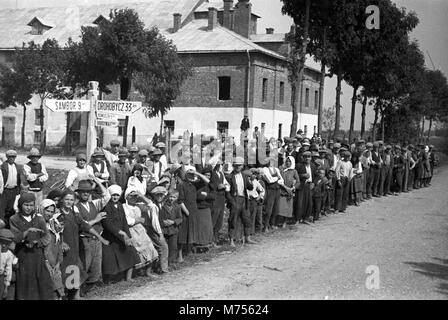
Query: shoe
pixel 250 241
pixel 232 243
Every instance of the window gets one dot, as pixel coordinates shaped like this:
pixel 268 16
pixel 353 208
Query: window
pixel 305 130
pixel 316 99
pixel 169 124
pixel 264 92
pixel 37 114
pixel 223 88
pixel 282 92
pixel 222 126
pixel 37 137
pixel 121 123
pixel 280 130
pixel 307 98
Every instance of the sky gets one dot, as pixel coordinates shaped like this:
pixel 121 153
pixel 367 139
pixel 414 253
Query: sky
pixel 431 33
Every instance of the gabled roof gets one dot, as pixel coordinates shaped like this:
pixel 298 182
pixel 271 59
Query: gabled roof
pixel 275 37
pixel 196 38
pixel 41 21
pixel 68 20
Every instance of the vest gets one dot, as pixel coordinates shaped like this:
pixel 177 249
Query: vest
pixel 89 215
pixel 95 170
pixel 35 185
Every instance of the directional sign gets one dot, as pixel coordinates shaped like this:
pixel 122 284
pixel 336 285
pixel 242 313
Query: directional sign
pixel 68 105
pixel 124 108
pixel 107 116
pixel 106 123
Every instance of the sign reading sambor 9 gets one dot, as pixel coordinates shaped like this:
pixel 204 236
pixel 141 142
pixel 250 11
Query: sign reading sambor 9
pixel 68 105
pixel 118 107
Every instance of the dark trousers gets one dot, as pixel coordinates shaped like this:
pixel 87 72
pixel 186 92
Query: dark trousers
pixel 317 206
pixel 172 247
pixel 7 200
pixel 342 194
pixel 305 201
pixel 218 216
pixel 404 181
pixel 272 206
pixel 256 215
pixel 368 182
pixel 410 179
pixel 376 175
pixel 387 179
pixel 161 246
pixel 239 209
pixel 398 180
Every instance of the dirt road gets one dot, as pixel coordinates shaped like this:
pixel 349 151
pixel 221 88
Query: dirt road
pixel 405 237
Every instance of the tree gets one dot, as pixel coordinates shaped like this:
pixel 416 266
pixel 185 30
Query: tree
pixel 328 119
pixel 15 89
pixel 123 51
pixel 37 69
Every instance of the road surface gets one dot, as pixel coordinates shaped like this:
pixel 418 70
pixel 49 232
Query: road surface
pixel 404 238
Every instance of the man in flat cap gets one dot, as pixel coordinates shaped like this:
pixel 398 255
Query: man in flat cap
pixel 304 200
pixel 99 167
pixel 162 147
pixel 375 169
pixel 121 170
pixel 133 151
pixel 112 155
pixel 388 161
pixel 155 166
pixel 36 175
pixel 10 172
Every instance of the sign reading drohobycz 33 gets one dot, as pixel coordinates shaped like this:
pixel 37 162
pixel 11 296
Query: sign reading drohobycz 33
pixel 125 108
pixel 68 105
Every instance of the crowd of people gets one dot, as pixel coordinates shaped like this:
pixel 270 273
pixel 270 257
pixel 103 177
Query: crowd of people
pixel 128 212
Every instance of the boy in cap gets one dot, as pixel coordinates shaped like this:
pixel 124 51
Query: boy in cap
pixel 7 260
pixel 91 211
pixel 36 174
pixel 10 172
pixel 256 198
pixel 112 155
pixel 170 217
pixel 133 151
pixel 155 166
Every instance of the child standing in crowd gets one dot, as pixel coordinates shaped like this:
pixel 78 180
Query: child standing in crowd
pixel 318 193
pixel 7 260
pixel 53 251
pixel 256 198
pixel 344 173
pixel 170 220
pixel 31 236
pixel 330 191
pixel 356 181
pixel 120 255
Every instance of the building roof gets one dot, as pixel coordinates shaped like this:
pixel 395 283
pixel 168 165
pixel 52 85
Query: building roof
pixel 218 4
pixel 68 20
pixel 275 37
pixel 196 38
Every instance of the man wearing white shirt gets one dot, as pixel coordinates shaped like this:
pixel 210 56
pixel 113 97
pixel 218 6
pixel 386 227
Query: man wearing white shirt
pixel 11 186
pixel 273 180
pixel 36 175
pixel 162 147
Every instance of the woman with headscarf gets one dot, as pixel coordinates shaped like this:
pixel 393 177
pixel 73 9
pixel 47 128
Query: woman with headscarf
pixel 73 273
pixel 31 237
pixel 137 180
pixel 120 255
pixel 291 183
pixel 205 197
pixel 140 239
pixel 53 251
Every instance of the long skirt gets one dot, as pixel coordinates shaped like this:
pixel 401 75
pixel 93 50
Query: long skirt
pixel 143 245
pixel 204 227
pixel 356 189
pixel 286 206
pixel 33 278
pixel 118 257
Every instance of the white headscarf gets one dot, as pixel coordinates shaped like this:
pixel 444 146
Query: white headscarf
pixel 426 149
pixel 293 163
pixel 115 189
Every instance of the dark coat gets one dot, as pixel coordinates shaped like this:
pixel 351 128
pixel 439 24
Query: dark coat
pixel 233 191
pixel 5 173
pixel 301 170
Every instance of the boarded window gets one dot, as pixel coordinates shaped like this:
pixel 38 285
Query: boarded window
pixel 307 98
pixel 282 92
pixel 121 123
pixel 37 114
pixel 222 126
pixel 223 88
pixel 316 99
pixel 264 90
pixel 37 137
pixel 169 124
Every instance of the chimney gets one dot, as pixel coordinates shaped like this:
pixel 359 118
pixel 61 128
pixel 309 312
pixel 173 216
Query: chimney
pixel 212 18
pixel 269 30
pixel 227 17
pixel 242 18
pixel 177 18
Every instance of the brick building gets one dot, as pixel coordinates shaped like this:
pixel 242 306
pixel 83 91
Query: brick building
pixel 236 71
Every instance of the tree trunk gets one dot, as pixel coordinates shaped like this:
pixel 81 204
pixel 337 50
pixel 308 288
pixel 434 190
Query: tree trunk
pixel 429 129
pixel 363 117
pixel 41 122
pixel 338 103
pixel 321 85
pixel 23 127
pixel 352 117
pixel 295 116
pixel 161 124
pixel 67 145
pixel 302 66
pixel 382 123
pixel 375 121
pixel 423 129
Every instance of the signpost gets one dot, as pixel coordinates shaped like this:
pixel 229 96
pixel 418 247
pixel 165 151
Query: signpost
pixel 106 123
pixel 122 108
pixel 68 105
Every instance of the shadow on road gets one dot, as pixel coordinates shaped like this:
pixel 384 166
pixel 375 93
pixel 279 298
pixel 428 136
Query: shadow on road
pixel 434 270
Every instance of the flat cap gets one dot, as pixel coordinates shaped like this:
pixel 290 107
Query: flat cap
pixel 158 190
pixel 238 161
pixel 376 144
pixel 133 148
pixel 306 154
pixel 114 142
pixel 337 145
pixel 160 145
pixel 81 156
pixel 6 235
pixel 157 152
pixel 143 153
pixel 11 153
pixel 123 152
pixel 369 145
pixel 314 154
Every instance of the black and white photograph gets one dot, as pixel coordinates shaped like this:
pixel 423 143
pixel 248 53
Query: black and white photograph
pixel 223 154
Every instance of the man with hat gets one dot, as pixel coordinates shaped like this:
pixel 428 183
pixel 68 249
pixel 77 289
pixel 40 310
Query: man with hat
pixel 133 150
pixel 238 200
pixel 388 161
pixel 90 210
pixel 121 170
pixel 112 155
pixel 366 161
pixel 36 174
pixel 399 163
pixel 11 185
pixel 99 168
pixel 344 173
pixel 335 156
pixel 375 169
pixel 304 201
pixel 155 166
pixel 162 147
pixel 273 180
pixel 81 172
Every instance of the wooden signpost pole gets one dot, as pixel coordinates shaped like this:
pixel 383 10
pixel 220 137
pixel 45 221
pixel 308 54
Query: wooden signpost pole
pixel 91 129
